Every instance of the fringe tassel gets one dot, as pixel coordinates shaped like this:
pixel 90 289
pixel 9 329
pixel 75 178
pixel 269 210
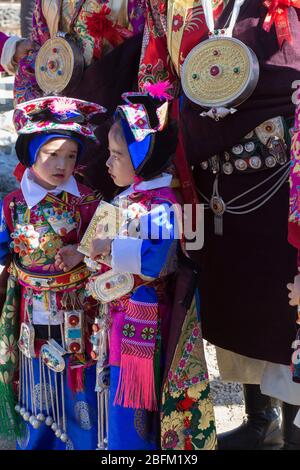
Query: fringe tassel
pixel 75 375
pixel 10 421
pixel 136 387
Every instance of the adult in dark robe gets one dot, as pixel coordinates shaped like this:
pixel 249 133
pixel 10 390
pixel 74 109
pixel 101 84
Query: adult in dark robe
pixel 244 271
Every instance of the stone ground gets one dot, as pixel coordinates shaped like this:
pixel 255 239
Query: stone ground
pixel 10 17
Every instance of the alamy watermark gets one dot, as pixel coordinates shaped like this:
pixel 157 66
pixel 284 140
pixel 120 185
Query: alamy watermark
pixel 162 221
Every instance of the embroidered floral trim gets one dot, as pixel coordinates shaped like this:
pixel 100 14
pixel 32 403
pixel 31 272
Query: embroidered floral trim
pixel 129 330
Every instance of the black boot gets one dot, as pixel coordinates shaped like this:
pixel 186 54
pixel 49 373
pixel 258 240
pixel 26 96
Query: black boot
pixel 290 432
pixel 261 427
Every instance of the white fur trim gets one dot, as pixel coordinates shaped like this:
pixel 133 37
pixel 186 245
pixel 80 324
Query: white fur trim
pixel 8 52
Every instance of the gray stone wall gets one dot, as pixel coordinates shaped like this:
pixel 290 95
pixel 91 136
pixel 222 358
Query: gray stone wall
pixel 10 17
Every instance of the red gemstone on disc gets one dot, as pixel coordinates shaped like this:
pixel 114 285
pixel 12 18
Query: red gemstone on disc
pixel 52 64
pixel 215 70
pixel 107 285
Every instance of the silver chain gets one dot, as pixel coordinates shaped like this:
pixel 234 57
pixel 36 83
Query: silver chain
pixel 268 194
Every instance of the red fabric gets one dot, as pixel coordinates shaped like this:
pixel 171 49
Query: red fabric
pixel 278 14
pixel 19 172
pixel 156 64
pixel 101 27
pixel 3 39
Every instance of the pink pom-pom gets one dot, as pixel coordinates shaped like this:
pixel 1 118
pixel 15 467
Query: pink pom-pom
pixel 62 105
pixel 159 90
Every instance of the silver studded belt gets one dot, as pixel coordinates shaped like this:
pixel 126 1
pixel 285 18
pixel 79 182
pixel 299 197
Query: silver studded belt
pixel 263 148
pixel 235 206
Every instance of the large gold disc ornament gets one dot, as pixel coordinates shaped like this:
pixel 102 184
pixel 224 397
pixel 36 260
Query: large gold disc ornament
pixel 59 65
pixel 221 71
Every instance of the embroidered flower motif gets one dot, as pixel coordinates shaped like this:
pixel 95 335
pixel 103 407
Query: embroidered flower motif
pixel 50 244
pixel 25 239
pixel 180 384
pixel 8 350
pixel 29 108
pixel 189 347
pixel 182 363
pixel 177 23
pixel 170 439
pixel 171 431
pixel 129 330
pixel 147 333
pixel 196 332
pixel 97 21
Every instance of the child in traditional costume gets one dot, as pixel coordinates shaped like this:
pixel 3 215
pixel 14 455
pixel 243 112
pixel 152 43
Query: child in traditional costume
pixel 139 287
pixel 46 315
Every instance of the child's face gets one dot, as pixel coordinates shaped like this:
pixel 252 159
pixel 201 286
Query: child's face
pixel 119 163
pixel 55 162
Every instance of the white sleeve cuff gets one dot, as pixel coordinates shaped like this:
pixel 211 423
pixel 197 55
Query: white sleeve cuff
pixel 8 52
pixel 126 255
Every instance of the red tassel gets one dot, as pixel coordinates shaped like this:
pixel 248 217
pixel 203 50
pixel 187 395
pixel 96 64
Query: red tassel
pixel 136 387
pixel 75 377
pixel 188 443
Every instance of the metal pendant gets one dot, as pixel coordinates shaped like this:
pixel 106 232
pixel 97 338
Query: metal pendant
pixel 26 340
pixel 110 286
pixel 51 354
pixel 271 128
pixel 74 331
pixel 218 207
pixel 277 148
pixel 215 163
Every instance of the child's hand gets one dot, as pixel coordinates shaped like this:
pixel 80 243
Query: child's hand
pixel 68 257
pixel 294 295
pixel 100 247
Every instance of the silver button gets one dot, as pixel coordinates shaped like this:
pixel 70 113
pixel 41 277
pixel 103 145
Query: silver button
pixel 249 146
pixel 240 164
pixel 255 162
pixel 227 168
pixel 204 165
pixel 237 149
pixel 270 161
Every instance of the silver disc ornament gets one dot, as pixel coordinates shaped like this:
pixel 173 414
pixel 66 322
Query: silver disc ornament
pixel 59 65
pixel 220 71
